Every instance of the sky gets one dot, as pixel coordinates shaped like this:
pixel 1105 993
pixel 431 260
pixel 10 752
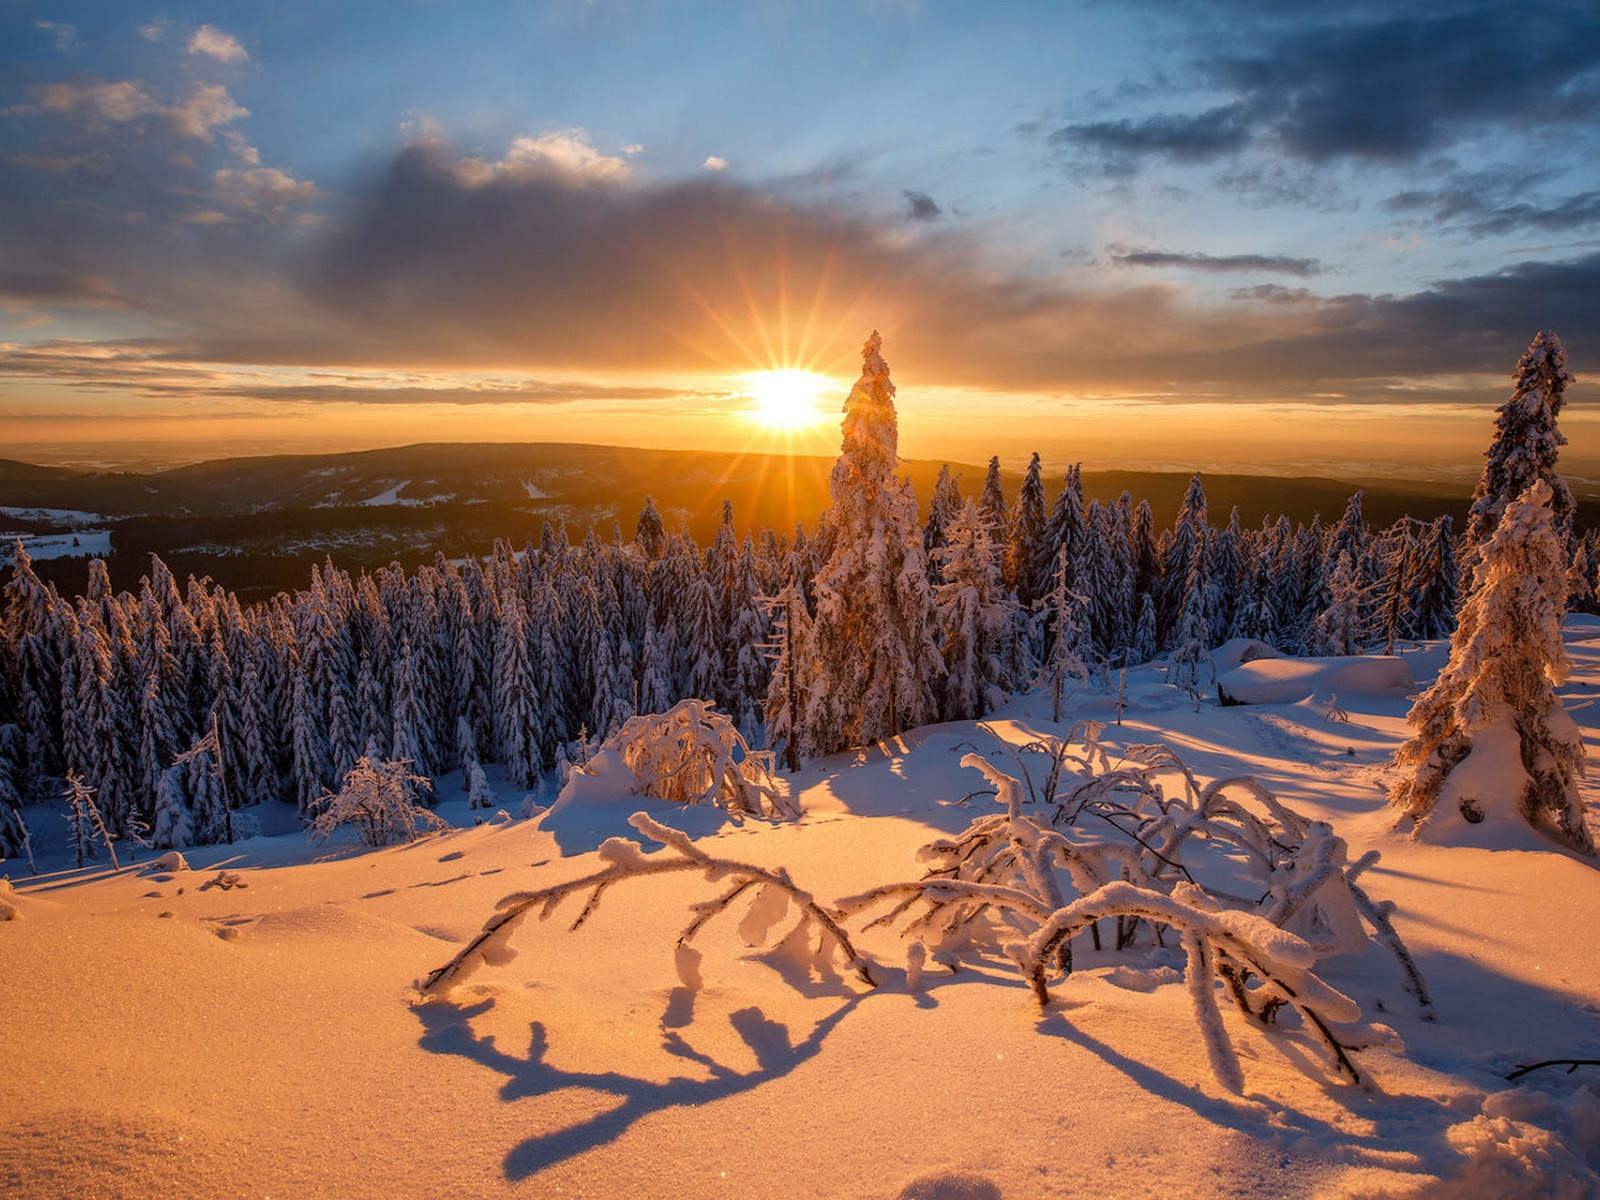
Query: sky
pixel 1221 234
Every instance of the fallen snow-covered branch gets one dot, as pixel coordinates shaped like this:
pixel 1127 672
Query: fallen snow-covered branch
pixel 625 859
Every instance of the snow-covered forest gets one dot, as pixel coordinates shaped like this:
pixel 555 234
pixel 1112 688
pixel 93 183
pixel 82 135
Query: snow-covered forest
pixel 178 706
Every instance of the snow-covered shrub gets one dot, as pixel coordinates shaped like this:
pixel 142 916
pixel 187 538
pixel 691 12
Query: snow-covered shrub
pixel 378 801
pixel 692 754
pixel 1114 848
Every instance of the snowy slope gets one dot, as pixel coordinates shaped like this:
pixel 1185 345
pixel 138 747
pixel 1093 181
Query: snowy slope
pixel 168 1038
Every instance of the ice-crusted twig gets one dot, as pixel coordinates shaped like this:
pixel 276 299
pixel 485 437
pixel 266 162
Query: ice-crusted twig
pixel 625 859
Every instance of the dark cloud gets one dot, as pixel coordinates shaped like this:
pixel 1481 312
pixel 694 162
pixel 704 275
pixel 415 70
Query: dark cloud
pixel 1478 324
pixel 695 275
pixel 921 207
pixel 1278 264
pixel 1179 137
pixel 1487 209
pixel 539 268
pixel 22 289
pixel 1378 87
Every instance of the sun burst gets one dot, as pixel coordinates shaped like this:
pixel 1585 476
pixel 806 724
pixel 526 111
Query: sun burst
pixel 788 398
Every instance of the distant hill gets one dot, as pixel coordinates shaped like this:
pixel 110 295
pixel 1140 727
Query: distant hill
pixel 256 525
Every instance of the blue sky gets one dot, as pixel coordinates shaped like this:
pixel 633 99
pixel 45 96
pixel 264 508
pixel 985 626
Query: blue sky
pixel 1229 233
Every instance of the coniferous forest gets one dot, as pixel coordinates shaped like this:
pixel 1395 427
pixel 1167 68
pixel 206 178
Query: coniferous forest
pixel 176 706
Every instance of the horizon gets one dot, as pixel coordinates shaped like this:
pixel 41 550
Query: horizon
pixel 1207 239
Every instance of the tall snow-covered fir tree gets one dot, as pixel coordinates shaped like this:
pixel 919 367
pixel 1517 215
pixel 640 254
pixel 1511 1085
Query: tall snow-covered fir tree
pixel 1525 447
pixel 878 663
pixel 1493 708
pixel 1024 535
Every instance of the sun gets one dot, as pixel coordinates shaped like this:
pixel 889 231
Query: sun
pixel 788 398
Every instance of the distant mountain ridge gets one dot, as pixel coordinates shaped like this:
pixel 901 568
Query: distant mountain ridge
pixel 256 524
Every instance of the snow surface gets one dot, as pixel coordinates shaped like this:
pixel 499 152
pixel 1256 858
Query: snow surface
pixel 1286 680
pixel 391 498
pixel 249 1026
pixel 78 543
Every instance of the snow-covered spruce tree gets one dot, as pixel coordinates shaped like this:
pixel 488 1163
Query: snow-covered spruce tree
pixel 479 793
pixel 942 508
pixel 992 500
pixel 1070 641
pixel 1191 657
pixel 14 838
pixel 173 828
pixel 975 615
pixel 87 827
pixel 1024 535
pixel 1491 736
pixel 515 709
pixel 1337 629
pixel 1525 447
pixel 794 665
pixel 211 819
pixel 1190 532
pixel 877 662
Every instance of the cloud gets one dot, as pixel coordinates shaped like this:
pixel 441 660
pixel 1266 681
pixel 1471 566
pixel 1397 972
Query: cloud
pixel 1180 137
pixel 113 180
pixel 98 104
pixel 64 36
pixel 920 206
pixel 207 106
pixel 1376 85
pixel 159 369
pixel 263 189
pixel 713 163
pixel 23 290
pixel 1270 263
pixel 549 263
pixel 567 155
pixel 92 101
pixel 1490 206
pixel 541 272
pixel 224 47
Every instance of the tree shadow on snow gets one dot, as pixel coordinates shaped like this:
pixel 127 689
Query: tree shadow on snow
pixel 1488 1023
pixel 447 1029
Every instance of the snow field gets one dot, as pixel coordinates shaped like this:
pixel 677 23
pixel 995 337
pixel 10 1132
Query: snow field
pixel 266 1038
